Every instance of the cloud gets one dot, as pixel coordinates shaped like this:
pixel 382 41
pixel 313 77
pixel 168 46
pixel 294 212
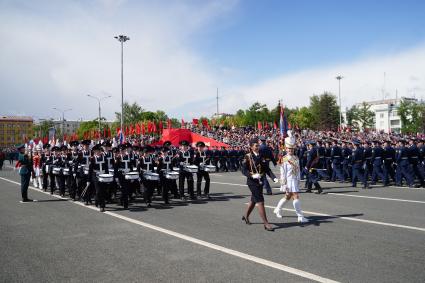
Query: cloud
pixel 364 80
pixel 57 52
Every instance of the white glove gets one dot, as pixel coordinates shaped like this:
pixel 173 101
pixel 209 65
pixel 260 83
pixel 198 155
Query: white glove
pixel 275 180
pixel 256 176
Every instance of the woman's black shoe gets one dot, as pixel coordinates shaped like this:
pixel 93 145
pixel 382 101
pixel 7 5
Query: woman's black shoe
pixel 246 220
pixel 271 229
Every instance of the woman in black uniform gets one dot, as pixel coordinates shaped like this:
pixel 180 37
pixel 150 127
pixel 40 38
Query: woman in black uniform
pixel 254 167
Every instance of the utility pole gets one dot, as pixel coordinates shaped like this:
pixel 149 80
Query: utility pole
pixel 339 78
pixel 122 38
pixel 217 102
pixel 99 99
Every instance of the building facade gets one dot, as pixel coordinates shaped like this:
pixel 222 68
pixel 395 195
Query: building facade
pixel 14 130
pixel 386 117
pixel 71 126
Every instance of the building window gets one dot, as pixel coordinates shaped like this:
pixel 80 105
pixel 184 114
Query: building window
pixel 395 122
pixel 381 115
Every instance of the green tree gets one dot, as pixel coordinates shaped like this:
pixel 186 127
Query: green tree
pixel 364 116
pixel 42 129
pixel 411 116
pixel 302 117
pixel 325 112
pixel 132 113
pixel 88 126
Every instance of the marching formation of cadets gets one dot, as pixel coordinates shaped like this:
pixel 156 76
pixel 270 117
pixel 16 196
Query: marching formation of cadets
pixel 369 162
pixel 104 173
pixel 107 172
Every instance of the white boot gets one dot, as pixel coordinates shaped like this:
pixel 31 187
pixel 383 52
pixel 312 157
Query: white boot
pixel 298 211
pixel 39 182
pixel 279 207
pixel 34 182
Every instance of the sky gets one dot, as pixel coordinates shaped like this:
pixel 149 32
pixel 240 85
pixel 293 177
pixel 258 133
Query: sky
pixel 54 53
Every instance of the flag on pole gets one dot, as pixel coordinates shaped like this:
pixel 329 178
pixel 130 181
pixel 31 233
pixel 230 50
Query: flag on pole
pixel 283 123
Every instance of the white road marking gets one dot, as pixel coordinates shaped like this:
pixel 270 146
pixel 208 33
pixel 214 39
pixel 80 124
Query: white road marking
pixel 329 182
pixel 393 199
pixel 330 193
pixel 222 249
pixel 356 219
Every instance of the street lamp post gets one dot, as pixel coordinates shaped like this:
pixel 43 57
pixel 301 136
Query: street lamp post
pixel 339 78
pixel 122 38
pixel 99 99
pixel 63 116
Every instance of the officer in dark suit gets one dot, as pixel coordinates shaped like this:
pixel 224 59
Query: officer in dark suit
pixel 368 166
pixel 321 166
pixel 403 169
pixel 388 155
pixel 313 160
pixel 267 153
pixel 216 158
pixel 336 162
pixel 328 161
pixel 346 160
pixel 415 161
pixel 377 163
pixel 358 163
pixel 224 158
pixel 302 156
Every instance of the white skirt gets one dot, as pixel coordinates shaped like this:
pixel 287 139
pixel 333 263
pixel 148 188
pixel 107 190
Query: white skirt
pixel 293 186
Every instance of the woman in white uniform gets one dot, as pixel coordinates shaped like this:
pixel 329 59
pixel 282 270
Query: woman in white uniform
pixel 290 180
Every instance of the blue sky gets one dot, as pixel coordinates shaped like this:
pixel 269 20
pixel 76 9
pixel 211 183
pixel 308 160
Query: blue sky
pixel 181 51
pixel 267 38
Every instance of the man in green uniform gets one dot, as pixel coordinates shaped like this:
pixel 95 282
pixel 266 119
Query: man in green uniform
pixel 25 170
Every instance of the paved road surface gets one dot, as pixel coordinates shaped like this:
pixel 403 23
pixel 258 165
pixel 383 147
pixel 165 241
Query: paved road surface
pixel 354 235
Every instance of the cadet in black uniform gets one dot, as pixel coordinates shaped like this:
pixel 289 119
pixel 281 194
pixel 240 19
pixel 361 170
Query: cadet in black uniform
pixel 200 161
pixel 185 158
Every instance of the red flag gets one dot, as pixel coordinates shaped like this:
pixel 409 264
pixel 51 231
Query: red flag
pixel 274 125
pixel 169 124
pixel 109 132
pixel 182 123
pixel 118 130
pixel 154 129
pixel 195 122
pixel 138 128
pixel 104 132
pixel 259 125
pixel 143 129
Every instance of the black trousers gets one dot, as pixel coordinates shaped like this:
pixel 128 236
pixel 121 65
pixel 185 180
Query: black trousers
pixel 100 193
pixel 206 176
pixel 149 187
pixel 45 180
pixel 184 175
pixel 25 182
pixel 52 182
